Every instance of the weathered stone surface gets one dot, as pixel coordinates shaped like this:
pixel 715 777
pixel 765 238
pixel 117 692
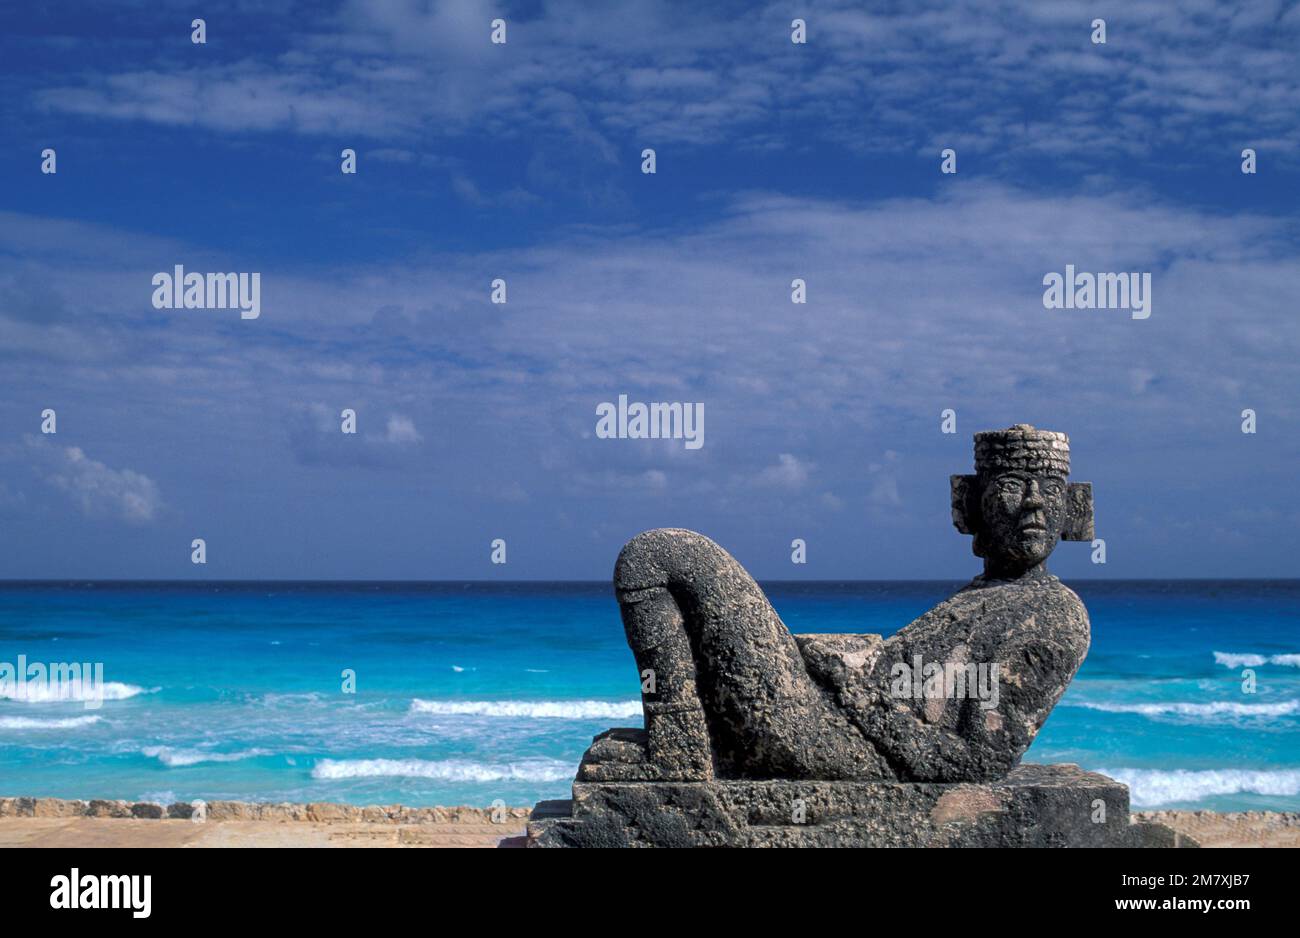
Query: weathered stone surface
pixel 1034 806
pixel 1231 829
pixel 316 812
pixel 323 811
pixel 957 695
pixel 57 807
pixel 1015 645
pixel 101 808
pixel 732 696
pixel 770 705
pixel 250 811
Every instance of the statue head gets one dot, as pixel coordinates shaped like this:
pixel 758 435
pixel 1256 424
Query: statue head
pixel 1019 502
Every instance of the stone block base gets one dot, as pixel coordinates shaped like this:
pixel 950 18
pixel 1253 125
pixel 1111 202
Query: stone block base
pixel 1034 806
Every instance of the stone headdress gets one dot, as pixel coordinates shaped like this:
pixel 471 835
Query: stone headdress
pixel 1026 449
pixel 1022 447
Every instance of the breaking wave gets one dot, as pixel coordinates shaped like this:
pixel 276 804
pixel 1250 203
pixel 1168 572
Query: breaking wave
pixel 533 709
pixel 1149 788
pixel 1216 709
pixel 35 723
pixel 176 758
pixel 1231 659
pixel 452 770
pixel 45 692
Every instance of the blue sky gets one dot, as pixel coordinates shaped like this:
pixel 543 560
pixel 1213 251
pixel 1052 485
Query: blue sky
pixel 522 161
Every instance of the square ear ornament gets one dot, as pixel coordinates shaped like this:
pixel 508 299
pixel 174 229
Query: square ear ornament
pixel 963 513
pixel 1078 512
pixel 1078 508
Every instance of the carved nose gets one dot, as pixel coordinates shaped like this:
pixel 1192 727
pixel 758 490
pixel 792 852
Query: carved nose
pixel 1033 496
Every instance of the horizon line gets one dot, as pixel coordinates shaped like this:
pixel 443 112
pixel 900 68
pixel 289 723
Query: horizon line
pixel 360 581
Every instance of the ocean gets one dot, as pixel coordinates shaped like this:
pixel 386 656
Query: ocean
pixel 466 693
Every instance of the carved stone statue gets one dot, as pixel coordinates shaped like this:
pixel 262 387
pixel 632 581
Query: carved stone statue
pixel 738 710
pixel 735 695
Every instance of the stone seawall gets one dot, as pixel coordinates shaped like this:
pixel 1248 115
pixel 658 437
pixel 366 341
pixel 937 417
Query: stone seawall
pixel 316 812
pixel 464 826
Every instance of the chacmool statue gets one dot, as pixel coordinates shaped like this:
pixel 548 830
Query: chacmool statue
pixel 756 737
pixel 958 695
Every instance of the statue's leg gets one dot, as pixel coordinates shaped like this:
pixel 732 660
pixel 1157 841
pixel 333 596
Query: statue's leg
pixel 727 674
pixel 677 732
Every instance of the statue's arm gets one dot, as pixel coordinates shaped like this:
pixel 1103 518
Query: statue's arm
pixel 1010 657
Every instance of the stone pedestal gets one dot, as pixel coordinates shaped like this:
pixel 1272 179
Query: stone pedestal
pixel 1034 806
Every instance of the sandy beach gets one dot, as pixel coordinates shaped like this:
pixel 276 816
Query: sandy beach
pixel 54 822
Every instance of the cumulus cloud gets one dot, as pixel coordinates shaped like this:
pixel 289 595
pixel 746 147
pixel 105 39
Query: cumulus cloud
pixel 884 482
pixel 401 430
pixel 316 433
pixel 97 489
pixel 788 473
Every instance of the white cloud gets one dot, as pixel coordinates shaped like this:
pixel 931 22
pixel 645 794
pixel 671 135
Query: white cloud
pixel 915 305
pixel 973 75
pixel 401 430
pixel 789 473
pixel 99 490
pixel 884 482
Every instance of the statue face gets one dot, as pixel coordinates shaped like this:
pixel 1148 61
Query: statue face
pixel 1023 516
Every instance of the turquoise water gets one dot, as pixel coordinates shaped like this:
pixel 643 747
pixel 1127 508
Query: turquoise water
pixel 470 692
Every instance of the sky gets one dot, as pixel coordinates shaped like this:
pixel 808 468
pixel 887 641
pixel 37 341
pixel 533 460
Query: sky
pixel 522 161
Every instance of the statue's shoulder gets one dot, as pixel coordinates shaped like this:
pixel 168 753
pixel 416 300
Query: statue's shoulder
pixel 1043 595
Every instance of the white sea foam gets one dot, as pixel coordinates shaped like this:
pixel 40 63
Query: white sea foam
pixel 177 758
pixel 452 770
pixel 1149 788
pixel 273 699
pixel 533 709
pixel 45 692
pixel 36 723
pixel 1235 660
pixel 117 691
pixel 1218 708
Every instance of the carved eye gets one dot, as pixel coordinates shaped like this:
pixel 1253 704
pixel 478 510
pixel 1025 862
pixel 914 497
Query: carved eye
pixel 1052 487
pixel 1010 486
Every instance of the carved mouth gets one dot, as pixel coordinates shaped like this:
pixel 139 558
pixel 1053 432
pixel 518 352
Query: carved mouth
pixel 1033 528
